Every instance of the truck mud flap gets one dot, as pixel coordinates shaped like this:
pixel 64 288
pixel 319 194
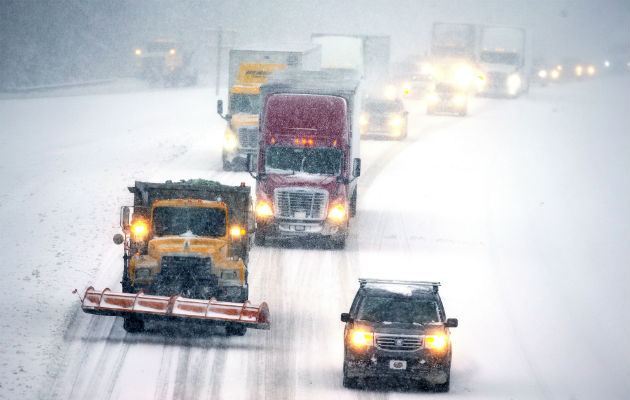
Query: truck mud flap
pixel 139 305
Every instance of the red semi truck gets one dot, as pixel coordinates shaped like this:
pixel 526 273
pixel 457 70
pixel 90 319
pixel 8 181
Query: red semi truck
pixel 308 161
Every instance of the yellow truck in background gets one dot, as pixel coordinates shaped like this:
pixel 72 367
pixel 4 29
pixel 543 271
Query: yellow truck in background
pixel 165 62
pixel 248 69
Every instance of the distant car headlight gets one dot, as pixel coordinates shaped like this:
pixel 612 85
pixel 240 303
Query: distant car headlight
pixel 579 70
pixel 229 141
pixel 542 74
pixel 138 52
pixel 555 74
pixel 590 70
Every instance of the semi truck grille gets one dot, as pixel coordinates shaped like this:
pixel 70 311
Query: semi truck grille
pixel 248 138
pixel 398 342
pixel 301 203
pixel 496 79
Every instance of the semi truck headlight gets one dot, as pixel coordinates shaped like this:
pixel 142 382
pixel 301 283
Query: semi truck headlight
pixel 139 230
pixel 514 83
pixel 229 141
pixel 435 342
pixel 433 98
pixel 390 92
pixel 395 121
pixel 337 213
pixel 364 119
pixel 263 209
pixel 362 338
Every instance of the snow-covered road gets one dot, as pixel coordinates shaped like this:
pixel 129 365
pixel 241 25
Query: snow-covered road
pixel 521 210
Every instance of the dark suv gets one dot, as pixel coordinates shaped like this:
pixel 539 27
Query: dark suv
pixel 397 329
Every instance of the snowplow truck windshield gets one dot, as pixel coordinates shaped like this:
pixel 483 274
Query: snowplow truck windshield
pixel 189 240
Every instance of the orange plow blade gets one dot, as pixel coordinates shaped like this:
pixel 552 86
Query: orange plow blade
pixel 147 306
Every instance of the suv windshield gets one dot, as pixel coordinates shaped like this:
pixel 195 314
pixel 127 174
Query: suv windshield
pixel 397 309
pixel 312 160
pixel 200 221
pixel 245 104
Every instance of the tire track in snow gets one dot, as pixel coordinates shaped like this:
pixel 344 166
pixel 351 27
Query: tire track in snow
pixel 216 373
pixel 181 373
pixel 162 384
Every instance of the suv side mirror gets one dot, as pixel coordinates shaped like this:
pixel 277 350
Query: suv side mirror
pixel 451 323
pixel 345 317
pixel 118 238
pixel 356 167
pixel 124 217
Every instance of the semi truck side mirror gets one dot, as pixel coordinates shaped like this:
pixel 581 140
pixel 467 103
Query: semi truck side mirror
pixel 220 107
pixel 118 238
pixel 345 317
pixel 124 217
pixel 356 167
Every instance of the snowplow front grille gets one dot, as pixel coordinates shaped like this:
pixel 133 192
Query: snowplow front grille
pixel 398 342
pixel 175 265
pixel 301 203
pixel 248 138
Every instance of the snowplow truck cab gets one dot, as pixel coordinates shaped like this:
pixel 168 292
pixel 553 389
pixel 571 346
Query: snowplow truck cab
pixel 187 238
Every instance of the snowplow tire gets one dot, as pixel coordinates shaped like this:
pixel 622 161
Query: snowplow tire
pixel 133 325
pixel 235 330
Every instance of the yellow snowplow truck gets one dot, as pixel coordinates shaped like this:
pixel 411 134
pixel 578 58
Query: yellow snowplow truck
pixel 165 62
pixel 186 247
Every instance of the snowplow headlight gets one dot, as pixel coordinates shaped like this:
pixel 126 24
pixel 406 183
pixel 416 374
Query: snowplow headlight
pixel 463 76
pixel 263 209
pixel 139 230
pixel 337 213
pixel 435 342
pixel 229 141
pixel 229 275
pixel 362 338
pixel 143 274
pixel 237 231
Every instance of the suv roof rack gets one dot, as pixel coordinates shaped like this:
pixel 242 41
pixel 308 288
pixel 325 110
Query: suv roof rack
pixel 365 281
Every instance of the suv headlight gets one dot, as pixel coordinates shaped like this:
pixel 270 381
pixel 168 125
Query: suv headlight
pixel 360 338
pixel 435 342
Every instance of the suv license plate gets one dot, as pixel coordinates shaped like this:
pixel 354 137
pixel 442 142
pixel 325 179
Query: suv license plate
pixel 299 228
pixel 397 364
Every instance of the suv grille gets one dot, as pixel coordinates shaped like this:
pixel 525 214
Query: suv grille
pixel 301 203
pixel 248 138
pixel 398 342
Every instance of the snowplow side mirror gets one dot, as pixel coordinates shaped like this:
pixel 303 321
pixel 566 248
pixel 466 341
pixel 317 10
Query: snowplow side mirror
pixel 356 167
pixel 345 317
pixel 124 217
pixel 451 323
pixel 118 238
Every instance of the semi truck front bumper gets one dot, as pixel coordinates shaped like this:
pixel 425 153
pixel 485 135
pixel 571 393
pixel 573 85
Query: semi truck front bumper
pixel 286 229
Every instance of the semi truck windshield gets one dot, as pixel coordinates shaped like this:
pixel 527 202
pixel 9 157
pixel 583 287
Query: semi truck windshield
pixel 312 160
pixel 198 220
pixel 245 104
pixel 499 57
